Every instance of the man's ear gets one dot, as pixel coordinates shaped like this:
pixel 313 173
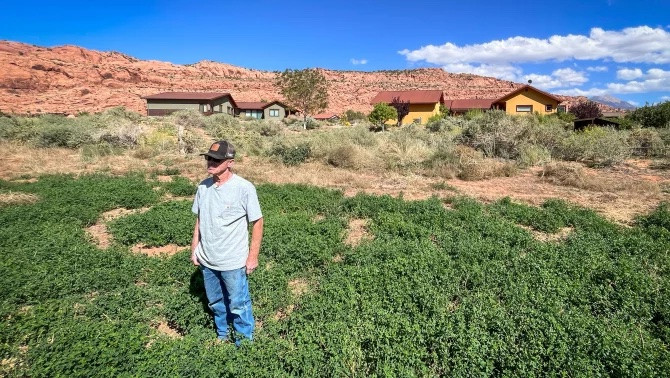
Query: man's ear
pixel 231 164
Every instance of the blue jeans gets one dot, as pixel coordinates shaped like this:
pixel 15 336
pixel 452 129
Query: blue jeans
pixel 229 299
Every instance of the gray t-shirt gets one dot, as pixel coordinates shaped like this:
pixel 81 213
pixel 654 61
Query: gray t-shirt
pixel 225 212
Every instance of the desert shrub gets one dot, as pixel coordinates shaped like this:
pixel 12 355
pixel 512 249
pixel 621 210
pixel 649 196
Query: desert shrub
pixel 21 129
pixel 163 138
pixel 122 112
pixel 354 116
pixel 246 141
pixel 646 142
pixel 312 124
pixel 440 124
pixel 406 147
pixel 291 155
pixel 188 118
pixel 60 135
pixel 123 134
pixel 531 155
pixel 495 133
pixel 473 114
pixel 444 161
pixel 549 134
pixel 473 170
pixel 265 128
pixel 350 156
pixel 596 146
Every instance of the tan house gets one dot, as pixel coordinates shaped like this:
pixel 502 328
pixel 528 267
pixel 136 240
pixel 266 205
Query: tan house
pixel 423 104
pixel 262 110
pixel 524 100
pixel 206 102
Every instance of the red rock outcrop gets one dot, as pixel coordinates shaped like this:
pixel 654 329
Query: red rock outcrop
pixel 71 79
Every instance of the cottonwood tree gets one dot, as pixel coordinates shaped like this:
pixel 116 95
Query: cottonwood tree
pixel 586 109
pixel 381 113
pixel 401 107
pixel 305 90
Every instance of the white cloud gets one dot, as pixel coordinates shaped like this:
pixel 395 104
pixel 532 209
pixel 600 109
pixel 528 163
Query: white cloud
pixel 655 80
pixel 634 103
pixel 356 62
pixel 560 78
pixel 638 44
pixel 665 98
pixel 629 74
pixel 507 72
pixel 597 69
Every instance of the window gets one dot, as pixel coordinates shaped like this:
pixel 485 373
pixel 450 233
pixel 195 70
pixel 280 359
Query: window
pixel 417 121
pixel 524 108
pixel 252 113
pixel 274 112
pixel 561 109
pixel 230 110
pixel 548 108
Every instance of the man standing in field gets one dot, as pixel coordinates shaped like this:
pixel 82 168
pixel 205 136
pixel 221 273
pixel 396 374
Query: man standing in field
pixel 225 205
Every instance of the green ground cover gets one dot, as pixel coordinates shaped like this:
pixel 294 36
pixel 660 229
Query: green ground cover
pixel 459 292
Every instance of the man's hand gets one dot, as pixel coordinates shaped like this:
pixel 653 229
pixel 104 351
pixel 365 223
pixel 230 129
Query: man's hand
pixel 194 259
pixel 252 264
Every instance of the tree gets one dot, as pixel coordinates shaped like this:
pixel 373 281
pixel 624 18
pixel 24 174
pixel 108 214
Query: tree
pixel 586 109
pixel 381 113
pixel 305 90
pixel 401 107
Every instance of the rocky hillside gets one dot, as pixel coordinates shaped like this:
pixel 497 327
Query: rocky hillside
pixel 70 79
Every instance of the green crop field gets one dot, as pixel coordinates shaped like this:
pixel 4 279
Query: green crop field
pixel 437 287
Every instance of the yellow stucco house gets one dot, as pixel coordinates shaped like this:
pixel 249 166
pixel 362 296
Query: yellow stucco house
pixel 524 100
pixel 527 100
pixel 422 103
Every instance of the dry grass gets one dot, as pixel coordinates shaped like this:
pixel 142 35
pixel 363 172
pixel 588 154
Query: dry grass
pixel 15 198
pixel 298 287
pixel 576 175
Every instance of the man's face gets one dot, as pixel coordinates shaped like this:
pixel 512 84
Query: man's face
pixel 217 167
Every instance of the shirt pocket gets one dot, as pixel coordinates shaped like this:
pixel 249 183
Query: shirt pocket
pixel 230 212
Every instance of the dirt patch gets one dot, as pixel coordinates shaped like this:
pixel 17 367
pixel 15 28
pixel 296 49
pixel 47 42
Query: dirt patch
pixel 165 250
pixel 338 259
pixel 562 234
pixel 162 178
pixel 298 287
pixel 283 313
pixel 17 198
pixel 99 233
pixel 318 218
pixel 357 231
pixel 164 329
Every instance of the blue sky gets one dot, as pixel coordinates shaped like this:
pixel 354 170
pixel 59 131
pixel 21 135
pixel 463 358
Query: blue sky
pixel 583 47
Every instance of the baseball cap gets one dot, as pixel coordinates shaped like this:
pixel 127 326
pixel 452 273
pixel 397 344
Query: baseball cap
pixel 221 150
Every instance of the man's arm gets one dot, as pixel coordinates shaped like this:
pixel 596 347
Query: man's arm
pixel 254 249
pixel 195 241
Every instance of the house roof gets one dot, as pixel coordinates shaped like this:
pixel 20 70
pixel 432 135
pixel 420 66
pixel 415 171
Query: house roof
pixel 209 96
pixel 524 88
pixel 413 97
pixel 258 105
pixel 470 103
pixel 326 116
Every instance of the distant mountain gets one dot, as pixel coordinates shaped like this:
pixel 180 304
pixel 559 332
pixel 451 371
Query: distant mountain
pixel 71 79
pixel 613 102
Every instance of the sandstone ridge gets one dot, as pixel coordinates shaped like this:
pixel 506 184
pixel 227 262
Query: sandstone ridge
pixel 71 79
